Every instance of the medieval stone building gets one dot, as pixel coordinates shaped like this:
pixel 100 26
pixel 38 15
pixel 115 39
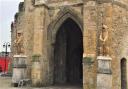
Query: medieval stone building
pixel 70 35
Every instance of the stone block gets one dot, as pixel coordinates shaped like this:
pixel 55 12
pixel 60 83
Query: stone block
pixel 19 68
pixel 104 76
pixel 104 65
pixel 104 81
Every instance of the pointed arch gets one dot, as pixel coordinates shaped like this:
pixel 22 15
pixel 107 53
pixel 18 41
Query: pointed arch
pixel 68 51
pixel 62 15
pixel 65 15
pixel 123 67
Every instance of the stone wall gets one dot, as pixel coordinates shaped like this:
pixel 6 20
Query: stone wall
pixel 39 24
pixel 119 41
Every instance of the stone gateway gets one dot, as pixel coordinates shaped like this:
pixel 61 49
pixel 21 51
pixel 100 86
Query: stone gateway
pixel 68 36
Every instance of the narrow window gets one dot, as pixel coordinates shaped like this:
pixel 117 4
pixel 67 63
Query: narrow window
pixel 123 74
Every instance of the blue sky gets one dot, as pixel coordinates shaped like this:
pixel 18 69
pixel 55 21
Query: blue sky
pixel 7 10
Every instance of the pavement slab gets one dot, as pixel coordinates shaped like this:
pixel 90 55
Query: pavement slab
pixel 5 83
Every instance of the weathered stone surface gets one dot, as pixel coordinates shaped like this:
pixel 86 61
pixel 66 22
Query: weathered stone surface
pixel 40 24
pixel 104 81
pixel 104 65
pixel 104 76
pixel 36 74
pixel 19 68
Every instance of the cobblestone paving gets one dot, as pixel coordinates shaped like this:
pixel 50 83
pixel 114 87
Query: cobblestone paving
pixel 5 83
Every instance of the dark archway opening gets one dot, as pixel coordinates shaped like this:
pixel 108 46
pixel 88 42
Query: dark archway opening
pixel 123 74
pixel 68 53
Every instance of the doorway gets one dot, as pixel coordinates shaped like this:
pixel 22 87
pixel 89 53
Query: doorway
pixel 68 52
pixel 123 74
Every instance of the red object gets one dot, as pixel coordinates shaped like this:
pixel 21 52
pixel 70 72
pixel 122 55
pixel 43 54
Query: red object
pixel 4 61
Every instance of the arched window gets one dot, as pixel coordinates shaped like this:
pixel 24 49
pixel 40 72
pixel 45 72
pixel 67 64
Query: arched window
pixel 123 74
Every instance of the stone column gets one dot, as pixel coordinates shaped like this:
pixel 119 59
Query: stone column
pixel 40 42
pixel 89 40
pixel 104 76
pixel 38 47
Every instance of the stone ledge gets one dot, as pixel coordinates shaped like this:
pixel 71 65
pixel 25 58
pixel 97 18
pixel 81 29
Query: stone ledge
pixel 104 58
pixel 104 71
pixel 20 56
pixel 20 66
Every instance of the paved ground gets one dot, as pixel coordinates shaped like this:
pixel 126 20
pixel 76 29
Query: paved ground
pixel 5 83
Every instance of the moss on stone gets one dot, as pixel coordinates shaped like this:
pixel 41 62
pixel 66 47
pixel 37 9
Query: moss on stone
pixel 88 60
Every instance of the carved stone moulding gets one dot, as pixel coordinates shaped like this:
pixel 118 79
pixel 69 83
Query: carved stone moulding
pixel 39 2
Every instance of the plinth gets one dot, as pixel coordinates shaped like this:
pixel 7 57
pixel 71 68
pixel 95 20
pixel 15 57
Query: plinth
pixel 104 75
pixel 19 69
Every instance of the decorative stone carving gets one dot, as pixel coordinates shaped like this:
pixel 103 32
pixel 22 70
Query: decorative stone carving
pixel 103 39
pixel 18 43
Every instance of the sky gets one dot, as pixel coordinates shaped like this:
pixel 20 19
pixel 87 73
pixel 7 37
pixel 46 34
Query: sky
pixel 8 8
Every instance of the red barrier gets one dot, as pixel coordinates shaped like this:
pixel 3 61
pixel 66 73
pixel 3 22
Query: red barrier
pixel 4 61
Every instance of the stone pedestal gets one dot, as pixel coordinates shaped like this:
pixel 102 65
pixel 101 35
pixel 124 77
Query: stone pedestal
pixel 104 75
pixel 19 68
